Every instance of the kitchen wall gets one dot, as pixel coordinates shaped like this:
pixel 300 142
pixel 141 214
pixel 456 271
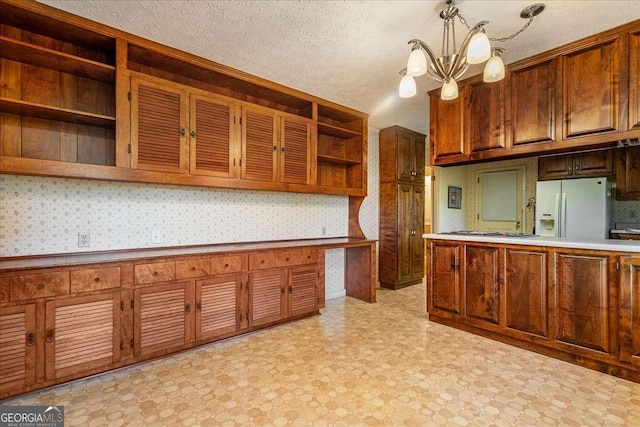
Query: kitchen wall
pixel 449 219
pixel 44 215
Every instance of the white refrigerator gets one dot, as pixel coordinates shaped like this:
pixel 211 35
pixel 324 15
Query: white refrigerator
pixel 573 208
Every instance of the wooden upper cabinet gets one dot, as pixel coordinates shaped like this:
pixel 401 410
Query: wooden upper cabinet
pixel 532 94
pixel 259 145
pixel 295 148
pixel 634 81
pixel 402 155
pixel 410 155
pixel 579 165
pixel 484 115
pixel 212 149
pixel 446 134
pixel 591 85
pixel 158 126
pixel 583 302
pixel 628 173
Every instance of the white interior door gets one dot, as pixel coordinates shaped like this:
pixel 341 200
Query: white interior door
pixel 500 200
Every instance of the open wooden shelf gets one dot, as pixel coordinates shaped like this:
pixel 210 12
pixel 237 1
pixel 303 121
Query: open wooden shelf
pixel 339 132
pixel 19 51
pixel 337 160
pixel 14 106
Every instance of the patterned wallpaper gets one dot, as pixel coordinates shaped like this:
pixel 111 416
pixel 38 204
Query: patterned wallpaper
pixel 41 215
pixel 625 212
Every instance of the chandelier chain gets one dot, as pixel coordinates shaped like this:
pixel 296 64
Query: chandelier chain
pixel 502 39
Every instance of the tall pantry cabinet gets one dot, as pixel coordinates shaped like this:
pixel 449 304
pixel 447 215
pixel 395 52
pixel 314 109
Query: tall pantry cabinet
pixel 402 160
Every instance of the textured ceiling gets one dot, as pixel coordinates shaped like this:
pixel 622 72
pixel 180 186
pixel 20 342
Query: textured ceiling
pixel 348 52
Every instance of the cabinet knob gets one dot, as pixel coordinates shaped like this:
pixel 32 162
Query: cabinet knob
pixel 275 148
pixel 51 334
pixel 182 132
pixel 193 269
pixel 40 286
pixel 226 265
pixel 282 290
pixel 97 280
pixel 199 306
pixel 577 166
pixel 155 273
pixel 187 308
pixel 193 134
pixel 284 149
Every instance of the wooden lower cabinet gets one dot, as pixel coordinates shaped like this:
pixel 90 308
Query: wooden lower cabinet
pixel 482 283
pixel 580 306
pixel 583 302
pixel 526 291
pixel 444 290
pixel 267 296
pixel 17 347
pixel 66 322
pixel 217 306
pixel 162 318
pixel 302 290
pixel 630 310
pixel 281 293
pixel 82 334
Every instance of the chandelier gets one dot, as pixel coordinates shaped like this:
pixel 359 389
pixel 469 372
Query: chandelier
pixel 452 63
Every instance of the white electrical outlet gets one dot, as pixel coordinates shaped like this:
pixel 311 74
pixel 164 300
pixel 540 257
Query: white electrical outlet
pixel 84 239
pixel 156 236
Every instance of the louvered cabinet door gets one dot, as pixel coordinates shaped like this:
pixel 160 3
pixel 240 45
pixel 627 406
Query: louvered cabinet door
pixel 162 318
pixel 158 127
pixel 81 334
pixel 303 290
pixel 259 145
pixel 217 304
pixel 17 347
pixel 267 297
pixel 295 149
pixel 211 136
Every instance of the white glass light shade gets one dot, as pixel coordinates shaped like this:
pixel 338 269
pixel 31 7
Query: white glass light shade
pixel 417 63
pixel 449 90
pixel 407 87
pixel 493 70
pixel 479 49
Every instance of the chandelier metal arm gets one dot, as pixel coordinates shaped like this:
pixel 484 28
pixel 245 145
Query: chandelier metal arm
pixel 463 47
pixel 427 49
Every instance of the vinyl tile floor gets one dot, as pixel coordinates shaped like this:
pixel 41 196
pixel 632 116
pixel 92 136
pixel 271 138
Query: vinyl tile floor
pixel 356 364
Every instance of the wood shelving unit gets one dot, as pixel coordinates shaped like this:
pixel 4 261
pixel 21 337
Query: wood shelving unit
pixel 14 106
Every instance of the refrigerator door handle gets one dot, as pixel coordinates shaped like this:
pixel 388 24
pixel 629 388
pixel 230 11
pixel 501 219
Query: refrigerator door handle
pixel 563 223
pixel 557 230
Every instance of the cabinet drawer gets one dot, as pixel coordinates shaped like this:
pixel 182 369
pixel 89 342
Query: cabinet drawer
pixel 192 268
pixel 38 286
pixel 226 264
pixel 262 260
pixel 95 279
pixel 299 257
pixel 156 272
